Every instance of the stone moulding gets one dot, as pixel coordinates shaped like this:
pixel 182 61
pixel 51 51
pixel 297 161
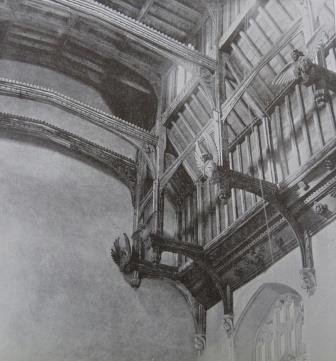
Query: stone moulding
pixel 94 115
pixel 123 167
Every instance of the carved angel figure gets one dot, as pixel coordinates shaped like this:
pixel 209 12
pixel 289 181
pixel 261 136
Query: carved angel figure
pixel 126 258
pixel 207 164
pixel 299 69
pixel 122 256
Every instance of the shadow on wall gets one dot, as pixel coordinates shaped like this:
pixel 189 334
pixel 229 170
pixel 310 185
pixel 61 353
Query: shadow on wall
pixel 62 298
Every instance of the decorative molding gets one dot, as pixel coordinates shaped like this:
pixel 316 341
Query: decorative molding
pixel 123 167
pixel 94 115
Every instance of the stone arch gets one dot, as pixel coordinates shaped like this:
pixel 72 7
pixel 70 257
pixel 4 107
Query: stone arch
pixel 253 316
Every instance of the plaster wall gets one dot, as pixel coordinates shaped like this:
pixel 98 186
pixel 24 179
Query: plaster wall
pixel 53 115
pixel 47 78
pixel 319 309
pixel 62 297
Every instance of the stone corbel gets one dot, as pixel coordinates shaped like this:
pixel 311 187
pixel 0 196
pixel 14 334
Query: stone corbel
pixel 200 341
pixel 228 324
pixel 308 272
pixel 308 280
pixel 199 316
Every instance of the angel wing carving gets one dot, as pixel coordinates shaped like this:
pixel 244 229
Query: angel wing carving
pixel 122 255
pixel 293 70
pixel 116 251
pixel 286 75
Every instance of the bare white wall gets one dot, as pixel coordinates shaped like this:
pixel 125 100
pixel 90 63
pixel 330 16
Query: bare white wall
pixel 53 115
pixel 62 297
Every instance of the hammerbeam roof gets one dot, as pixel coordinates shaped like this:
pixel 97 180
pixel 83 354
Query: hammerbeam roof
pixel 110 45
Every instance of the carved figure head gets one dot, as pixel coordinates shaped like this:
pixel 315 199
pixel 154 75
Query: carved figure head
pixel 206 157
pixel 122 255
pixel 125 258
pixel 296 54
pixel 228 324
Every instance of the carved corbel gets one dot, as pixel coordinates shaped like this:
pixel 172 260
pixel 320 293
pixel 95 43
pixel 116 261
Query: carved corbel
pixel 228 324
pixel 308 272
pixel 199 316
pixel 135 280
pixel 308 280
pixel 320 209
pixel 200 341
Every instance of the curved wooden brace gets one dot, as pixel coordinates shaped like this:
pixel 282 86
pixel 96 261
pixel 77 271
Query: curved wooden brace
pixel 195 252
pixel 198 314
pixel 129 132
pixel 269 192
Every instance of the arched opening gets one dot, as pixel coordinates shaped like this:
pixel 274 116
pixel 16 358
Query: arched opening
pixel 270 328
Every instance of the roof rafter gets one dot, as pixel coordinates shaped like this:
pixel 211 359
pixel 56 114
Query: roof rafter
pixel 148 37
pixel 145 9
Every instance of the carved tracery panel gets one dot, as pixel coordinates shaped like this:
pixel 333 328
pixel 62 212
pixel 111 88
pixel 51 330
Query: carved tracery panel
pixel 279 337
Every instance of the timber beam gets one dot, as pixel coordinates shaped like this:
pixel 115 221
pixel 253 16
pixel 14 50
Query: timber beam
pixel 145 35
pixel 180 100
pixel 228 179
pixel 231 102
pixel 122 167
pixel 94 115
